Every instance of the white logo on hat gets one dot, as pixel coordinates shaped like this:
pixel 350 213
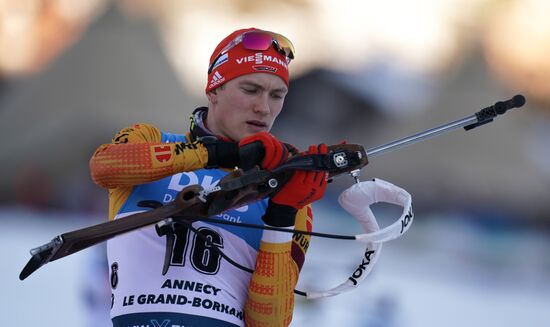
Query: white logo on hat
pixel 260 58
pixel 216 79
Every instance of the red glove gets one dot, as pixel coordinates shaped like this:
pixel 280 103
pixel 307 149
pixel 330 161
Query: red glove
pixel 303 188
pixel 275 152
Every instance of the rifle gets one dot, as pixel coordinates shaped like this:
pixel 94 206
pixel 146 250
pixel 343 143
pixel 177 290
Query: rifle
pixel 239 187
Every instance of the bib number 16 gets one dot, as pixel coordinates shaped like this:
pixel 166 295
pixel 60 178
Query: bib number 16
pixel 201 253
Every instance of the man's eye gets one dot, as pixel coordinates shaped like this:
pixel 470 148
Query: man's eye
pixel 276 96
pixel 251 91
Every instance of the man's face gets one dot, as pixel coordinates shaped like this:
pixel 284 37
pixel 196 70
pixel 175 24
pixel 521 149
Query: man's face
pixel 246 105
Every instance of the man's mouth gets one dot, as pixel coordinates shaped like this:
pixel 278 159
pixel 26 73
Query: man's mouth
pixel 256 123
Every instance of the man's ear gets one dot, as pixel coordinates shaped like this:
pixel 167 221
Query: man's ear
pixel 212 96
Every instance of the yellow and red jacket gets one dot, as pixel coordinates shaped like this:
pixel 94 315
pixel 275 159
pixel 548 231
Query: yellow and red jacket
pixel 144 163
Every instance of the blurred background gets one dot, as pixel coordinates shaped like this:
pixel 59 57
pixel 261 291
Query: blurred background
pixel 72 73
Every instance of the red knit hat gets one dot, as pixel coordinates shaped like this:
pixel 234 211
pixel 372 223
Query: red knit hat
pixel 239 61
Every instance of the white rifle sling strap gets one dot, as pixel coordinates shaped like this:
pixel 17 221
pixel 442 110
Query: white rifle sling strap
pixel 357 200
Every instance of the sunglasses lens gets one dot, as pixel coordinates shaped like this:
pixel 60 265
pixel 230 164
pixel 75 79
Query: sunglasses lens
pixel 285 45
pixel 262 40
pixel 257 41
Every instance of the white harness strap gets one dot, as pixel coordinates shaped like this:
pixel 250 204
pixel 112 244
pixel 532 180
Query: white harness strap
pixel 356 200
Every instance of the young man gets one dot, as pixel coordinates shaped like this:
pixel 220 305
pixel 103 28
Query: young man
pixel 247 84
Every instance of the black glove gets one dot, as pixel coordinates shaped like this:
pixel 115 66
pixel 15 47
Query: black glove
pixel 262 149
pixel 227 154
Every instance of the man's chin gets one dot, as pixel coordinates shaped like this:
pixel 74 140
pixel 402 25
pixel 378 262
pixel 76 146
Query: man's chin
pixel 254 129
pixel 247 131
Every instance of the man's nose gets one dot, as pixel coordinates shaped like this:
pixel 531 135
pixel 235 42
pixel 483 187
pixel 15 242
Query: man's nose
pixel 262 105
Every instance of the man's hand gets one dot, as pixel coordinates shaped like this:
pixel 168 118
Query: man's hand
pixel 303 188
pixel 274 151
pixel 262 149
